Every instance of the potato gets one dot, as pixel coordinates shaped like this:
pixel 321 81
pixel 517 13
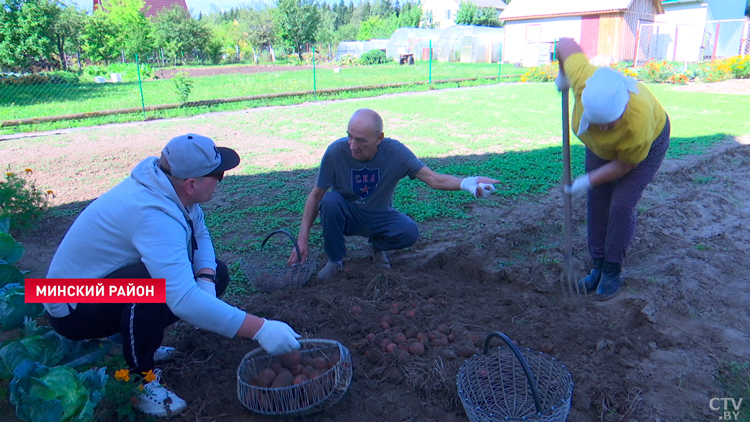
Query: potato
pixel 291 359
pixel 298 369
pixel 444 329
pixel 265 378
pixel 277 367
pixel 299 379
pixel 335 358
pixel 284 379
pixel 416 349
pixel 321 364
pixel 308 360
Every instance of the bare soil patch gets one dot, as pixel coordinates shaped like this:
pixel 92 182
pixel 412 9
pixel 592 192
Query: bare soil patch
pixel 652 353
pixel 732 86
pixel 229 70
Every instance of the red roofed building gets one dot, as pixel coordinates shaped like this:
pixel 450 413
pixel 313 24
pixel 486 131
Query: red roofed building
pixel 153 7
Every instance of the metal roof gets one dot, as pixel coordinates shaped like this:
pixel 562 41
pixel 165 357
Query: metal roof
pixel 495 4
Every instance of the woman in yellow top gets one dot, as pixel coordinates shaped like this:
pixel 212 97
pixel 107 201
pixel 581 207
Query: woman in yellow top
pixel 626 133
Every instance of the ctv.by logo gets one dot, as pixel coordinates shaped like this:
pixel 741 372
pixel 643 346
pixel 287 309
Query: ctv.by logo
pixel 729 407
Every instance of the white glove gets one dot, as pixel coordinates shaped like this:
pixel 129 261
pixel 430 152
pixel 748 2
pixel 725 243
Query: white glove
pixel 485 189
pixel 207 286
pixel 276 337
pixel 562 82
pixel 580 184
pixel 477 190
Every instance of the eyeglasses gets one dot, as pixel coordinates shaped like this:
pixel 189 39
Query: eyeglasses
pixel 219 175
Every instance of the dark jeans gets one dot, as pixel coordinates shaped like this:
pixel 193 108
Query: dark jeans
pixel 141 324
pixel 386 230
pixel 612 213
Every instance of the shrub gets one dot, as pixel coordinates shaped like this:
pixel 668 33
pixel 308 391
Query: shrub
pixel 130 71
pixel 740 66
pixel 183 87
pixel 678 79
pixel 348 60
pixel 546 73
pixel 656 71
pixel 21 200
pixel 373 57
pixel 715 71
pixel 19 79
pixel 625 68
pixel 62 77
pixel 93 71
pixel 307 58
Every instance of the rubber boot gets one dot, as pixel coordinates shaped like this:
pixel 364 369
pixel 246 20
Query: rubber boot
pixel 610 283
pixel 591 281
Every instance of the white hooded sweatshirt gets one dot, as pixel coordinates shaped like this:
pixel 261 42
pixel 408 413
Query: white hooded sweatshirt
pixel 142 219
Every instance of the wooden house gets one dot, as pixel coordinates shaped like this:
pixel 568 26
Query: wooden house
pixel 605 28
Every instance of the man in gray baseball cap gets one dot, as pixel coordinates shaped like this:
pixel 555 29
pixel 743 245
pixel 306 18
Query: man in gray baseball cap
pixel 152 226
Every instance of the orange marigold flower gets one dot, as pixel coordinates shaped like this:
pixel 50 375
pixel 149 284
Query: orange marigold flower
pixel 149 376
pixel 29 170
pixel 122 375
pixel 49 192
pixel 10 174
pixel 141 387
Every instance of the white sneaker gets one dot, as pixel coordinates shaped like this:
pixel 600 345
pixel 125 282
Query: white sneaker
pixel 330 270
pixel 379 258
pixel 164 353
pixel 159 401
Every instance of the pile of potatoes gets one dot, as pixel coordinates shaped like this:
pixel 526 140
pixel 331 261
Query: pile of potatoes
pixel 293 368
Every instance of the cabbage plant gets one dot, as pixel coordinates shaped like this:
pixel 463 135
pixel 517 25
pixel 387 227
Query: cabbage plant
pixel 43 394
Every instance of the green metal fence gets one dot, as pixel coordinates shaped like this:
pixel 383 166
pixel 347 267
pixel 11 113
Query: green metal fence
pixel 137 91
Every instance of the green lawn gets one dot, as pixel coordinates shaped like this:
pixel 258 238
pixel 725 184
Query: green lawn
pixel 22 102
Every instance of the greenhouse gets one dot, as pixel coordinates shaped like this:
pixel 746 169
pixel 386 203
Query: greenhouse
pixel 358 48
pixel 470 44
pixel 414 41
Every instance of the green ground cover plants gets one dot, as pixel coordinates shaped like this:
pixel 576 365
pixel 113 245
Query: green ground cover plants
pixel 508 131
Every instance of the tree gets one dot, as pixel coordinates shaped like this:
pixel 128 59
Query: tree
pixel 24 32
pixel 100 38
pixel 261 31
pixel 470 14
pixel 410 16
pixel 297 22
pixel 67 30
pixel 467 12
pixel 487 16
pixel 134 30
pixel 176 31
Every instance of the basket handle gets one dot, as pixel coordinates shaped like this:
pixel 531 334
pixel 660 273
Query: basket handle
pixel 529 376
pixel 294 242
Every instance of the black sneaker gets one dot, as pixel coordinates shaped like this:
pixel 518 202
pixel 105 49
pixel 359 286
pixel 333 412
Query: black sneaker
pixel 591 281
pixel 610 282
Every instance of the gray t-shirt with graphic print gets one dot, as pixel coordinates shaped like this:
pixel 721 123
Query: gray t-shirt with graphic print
pixel 368 184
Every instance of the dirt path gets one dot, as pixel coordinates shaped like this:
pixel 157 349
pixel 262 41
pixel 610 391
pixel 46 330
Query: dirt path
pixel 228 70
pixel 652 353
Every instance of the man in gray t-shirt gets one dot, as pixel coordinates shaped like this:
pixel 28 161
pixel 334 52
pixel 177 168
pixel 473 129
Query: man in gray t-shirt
pixel 362 171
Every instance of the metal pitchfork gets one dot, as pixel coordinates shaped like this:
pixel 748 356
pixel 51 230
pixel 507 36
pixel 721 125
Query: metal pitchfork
pixel 569 281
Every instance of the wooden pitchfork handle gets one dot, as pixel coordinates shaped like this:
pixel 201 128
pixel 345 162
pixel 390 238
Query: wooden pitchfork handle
pixel 567 198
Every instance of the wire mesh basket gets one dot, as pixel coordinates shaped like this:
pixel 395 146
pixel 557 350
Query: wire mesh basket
pixel 314 395
pixel 514 384
pixel 268 270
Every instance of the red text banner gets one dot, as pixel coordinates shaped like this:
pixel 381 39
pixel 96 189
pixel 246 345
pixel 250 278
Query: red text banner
pixel 95 290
